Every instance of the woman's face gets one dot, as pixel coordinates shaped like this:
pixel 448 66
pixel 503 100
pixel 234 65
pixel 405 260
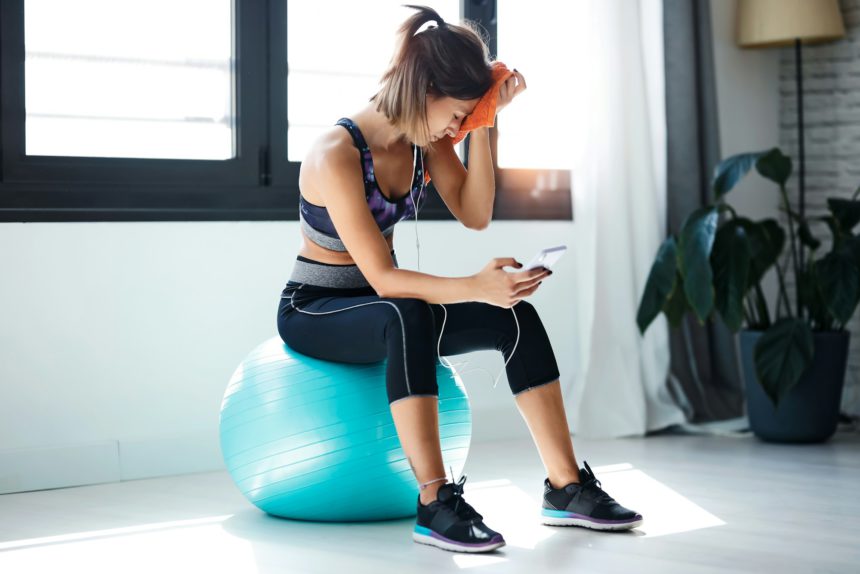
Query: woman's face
pixel 445 114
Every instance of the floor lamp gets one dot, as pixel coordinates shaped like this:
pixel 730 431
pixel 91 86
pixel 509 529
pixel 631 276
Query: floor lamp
pixel 770 23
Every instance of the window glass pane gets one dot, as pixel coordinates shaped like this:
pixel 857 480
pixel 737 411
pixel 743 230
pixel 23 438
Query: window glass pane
pixel 129 78
pixel 535 131
pixel 337 55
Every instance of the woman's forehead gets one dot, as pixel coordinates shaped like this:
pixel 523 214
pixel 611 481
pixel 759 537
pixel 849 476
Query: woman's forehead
pixel 464 106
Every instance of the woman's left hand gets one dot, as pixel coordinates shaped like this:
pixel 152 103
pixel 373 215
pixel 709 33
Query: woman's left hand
pixel 512 87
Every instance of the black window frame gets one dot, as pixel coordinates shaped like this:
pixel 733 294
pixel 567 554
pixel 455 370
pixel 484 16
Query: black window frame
pixel 258 184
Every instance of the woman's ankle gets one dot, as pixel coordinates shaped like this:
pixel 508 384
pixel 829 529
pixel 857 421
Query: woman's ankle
pixel 428 493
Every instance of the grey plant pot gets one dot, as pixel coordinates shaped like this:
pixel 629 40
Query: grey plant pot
pixel 810 410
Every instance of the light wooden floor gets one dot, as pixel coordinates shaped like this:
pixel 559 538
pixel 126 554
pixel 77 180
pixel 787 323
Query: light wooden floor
pixel 711 504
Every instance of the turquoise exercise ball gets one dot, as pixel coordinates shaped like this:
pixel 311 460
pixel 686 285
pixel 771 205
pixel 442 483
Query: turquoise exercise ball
pixel 309 439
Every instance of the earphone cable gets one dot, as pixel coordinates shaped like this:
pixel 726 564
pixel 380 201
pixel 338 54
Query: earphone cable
pixel 450 365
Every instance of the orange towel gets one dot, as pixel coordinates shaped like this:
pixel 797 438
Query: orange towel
pixel 484 114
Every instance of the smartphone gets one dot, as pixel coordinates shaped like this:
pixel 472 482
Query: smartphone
pixel 546 257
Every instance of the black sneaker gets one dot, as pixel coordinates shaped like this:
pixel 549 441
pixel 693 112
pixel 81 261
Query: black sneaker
pixel 585 504
pixel 449 522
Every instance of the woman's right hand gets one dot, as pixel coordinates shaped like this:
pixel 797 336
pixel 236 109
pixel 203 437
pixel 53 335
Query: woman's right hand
pixel 505 289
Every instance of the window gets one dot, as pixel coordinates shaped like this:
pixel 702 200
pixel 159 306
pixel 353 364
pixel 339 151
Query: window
pixel 111 91
pixel 534 155
pixel 159 110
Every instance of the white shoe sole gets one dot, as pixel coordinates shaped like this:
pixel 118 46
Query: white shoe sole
pixel 572 521
pixel 453 547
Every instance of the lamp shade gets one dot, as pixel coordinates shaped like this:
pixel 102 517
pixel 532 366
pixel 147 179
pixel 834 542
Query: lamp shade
pixel 765 23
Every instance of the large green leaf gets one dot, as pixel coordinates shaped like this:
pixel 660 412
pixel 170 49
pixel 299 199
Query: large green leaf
pixel 838 280
pixel 659 284
pixel 676 305
pixel 694 251
pixel 730 260
pixel 731 170
pixel 766 240
pixel 775 242
pixel 846 212
pixel 781 356
pixel 774 166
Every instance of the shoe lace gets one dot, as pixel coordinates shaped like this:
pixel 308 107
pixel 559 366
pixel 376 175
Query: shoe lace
pixel 462 509
pixel 593 485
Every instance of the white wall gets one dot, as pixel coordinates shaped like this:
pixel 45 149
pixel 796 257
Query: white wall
pixel 117 339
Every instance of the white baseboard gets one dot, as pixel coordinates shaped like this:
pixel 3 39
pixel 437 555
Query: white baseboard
pixel 62 466
pixel 42 468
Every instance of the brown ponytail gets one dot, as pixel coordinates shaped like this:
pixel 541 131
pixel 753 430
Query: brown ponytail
pixel 445 60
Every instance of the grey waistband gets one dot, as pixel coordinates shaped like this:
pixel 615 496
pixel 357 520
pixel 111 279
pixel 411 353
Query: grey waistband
pixel 327 241
pixel 327 275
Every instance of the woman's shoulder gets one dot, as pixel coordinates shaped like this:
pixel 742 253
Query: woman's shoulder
pixel 332 149
pixel 331 146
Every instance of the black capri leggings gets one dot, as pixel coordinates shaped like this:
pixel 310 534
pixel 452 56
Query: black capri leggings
pixel 330 312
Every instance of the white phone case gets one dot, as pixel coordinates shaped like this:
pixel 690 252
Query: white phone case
pixel 546 257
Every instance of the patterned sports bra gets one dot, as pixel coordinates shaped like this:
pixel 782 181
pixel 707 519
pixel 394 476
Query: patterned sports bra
pixel 315 220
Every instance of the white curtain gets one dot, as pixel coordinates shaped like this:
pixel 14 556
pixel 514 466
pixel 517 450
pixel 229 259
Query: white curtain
pixel 619 187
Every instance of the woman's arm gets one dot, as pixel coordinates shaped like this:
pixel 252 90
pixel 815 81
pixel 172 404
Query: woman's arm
pixel 402 283
pixel 492 284
pixel 479 188
pixel 468 194
pixel 341 185
pixel 342 188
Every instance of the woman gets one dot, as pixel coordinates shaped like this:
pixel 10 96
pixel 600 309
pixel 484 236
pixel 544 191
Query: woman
pixel 347 300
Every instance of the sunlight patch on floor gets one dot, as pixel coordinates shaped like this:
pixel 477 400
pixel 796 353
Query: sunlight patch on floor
pixel 197 545
pixel 515 513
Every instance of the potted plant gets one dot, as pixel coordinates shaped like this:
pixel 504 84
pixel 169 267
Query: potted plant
pixel 794 363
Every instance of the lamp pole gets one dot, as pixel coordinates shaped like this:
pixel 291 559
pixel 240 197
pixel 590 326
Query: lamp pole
pixel 798 61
